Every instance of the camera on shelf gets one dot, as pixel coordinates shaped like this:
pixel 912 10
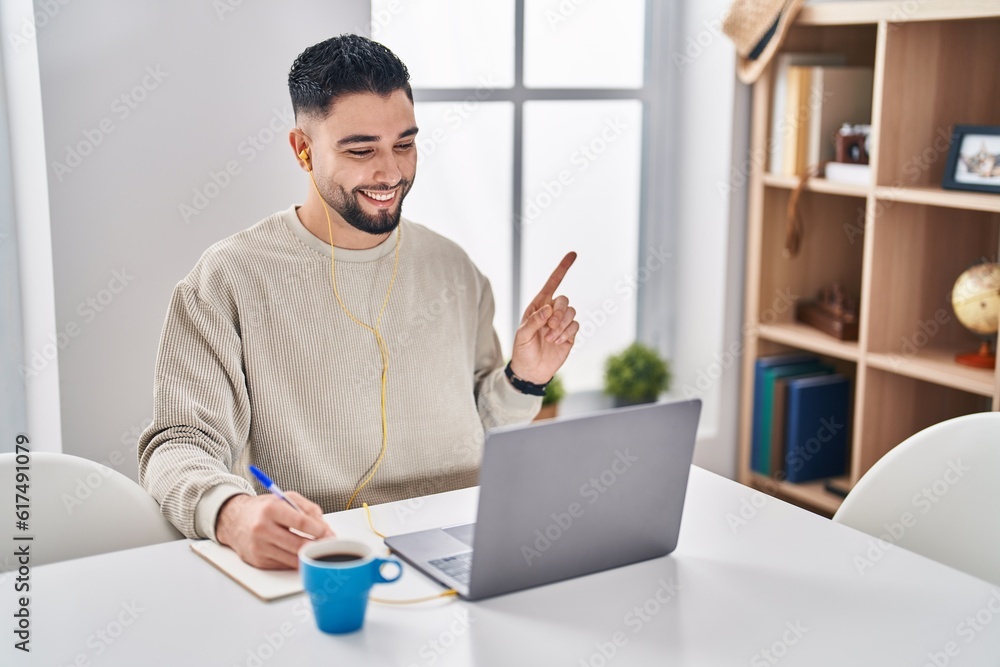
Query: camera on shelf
pixel 853 143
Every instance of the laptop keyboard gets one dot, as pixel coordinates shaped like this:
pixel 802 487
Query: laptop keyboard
pixel 457 567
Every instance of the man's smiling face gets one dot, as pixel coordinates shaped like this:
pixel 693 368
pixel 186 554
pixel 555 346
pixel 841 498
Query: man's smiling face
pixel 364 158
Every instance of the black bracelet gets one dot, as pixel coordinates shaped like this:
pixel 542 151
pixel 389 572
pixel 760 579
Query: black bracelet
pixel 524 386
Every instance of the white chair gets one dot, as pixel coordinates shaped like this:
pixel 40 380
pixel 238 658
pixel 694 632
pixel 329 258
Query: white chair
pixel 76 508
pixel 938 494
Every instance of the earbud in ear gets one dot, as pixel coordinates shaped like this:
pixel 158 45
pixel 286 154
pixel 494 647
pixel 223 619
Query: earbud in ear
pixel 305 158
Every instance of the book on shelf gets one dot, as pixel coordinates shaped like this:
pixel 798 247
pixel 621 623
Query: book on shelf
pixel 797 110
pixel 779 417
pixel 818 434
pixel 785 120
pixel 853 174
pixel 760 365
pixel 764 404
pixel 810 102
pixel 838 486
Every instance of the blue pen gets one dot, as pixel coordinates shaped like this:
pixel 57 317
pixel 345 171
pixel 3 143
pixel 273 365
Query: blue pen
pixel 273 488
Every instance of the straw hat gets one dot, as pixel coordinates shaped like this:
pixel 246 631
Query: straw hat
pixel 757 28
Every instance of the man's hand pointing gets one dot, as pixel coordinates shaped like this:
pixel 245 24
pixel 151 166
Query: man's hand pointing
pixel 547 331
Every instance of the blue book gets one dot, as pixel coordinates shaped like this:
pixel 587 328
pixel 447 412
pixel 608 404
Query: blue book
pixel 757 454
pixel 771 378
pixel 818 428
pixel 779 404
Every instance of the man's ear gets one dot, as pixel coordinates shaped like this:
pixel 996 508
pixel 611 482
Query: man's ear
pixel 300 143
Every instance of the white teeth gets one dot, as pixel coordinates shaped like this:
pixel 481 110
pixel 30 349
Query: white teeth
pixel 380 196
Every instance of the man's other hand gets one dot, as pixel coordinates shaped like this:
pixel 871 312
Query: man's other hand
pixel 257 528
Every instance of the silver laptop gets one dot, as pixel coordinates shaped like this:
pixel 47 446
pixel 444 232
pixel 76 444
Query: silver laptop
pixel 564 498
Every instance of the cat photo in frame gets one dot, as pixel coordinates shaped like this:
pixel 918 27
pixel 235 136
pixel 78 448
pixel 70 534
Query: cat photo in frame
pixel 973 159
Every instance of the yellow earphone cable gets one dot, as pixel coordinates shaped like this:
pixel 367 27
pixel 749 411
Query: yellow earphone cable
pixel 443 594
pixel 384 351
pixel 383 348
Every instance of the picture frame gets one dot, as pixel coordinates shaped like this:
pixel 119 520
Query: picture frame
pixel 973 159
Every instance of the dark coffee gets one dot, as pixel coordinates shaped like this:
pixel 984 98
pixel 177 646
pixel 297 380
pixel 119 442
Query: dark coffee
pixel 338 558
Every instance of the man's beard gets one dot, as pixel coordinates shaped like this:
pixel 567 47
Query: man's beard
pixel 350 209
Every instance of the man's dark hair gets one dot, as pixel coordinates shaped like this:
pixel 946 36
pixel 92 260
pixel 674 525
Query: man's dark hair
pixel 341 66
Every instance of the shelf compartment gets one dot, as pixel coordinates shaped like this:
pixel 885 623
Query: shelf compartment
pixel 810 494
pixel 831 250
pixel 798 335
pixel 921 251
pixel 938 78
pixel 937 366
pixel 856 42
pixel 816 185
pixel 934 196
pixel 896 406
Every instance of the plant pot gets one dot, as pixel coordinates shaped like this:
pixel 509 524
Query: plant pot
pixel 547 412
pixel 621 402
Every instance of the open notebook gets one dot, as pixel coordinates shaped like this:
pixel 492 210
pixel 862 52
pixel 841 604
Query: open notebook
pixel 265 584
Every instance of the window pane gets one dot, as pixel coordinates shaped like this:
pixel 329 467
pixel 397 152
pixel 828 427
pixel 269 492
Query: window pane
pixel 463 189
pixel 581 192
pixel 595 44
pixel 449 43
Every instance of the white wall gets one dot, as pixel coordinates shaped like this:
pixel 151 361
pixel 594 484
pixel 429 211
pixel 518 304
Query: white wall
pixel 142 103
pixel 713 127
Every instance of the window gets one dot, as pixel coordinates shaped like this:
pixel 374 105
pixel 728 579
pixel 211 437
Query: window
pixel 533 135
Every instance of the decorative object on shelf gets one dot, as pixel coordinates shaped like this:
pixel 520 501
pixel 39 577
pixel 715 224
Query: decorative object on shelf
pixel 853 143
pixel 757 28
pixel 793 213
pixel 636 375
pixel 834 312
pixel 973 159
pixel 976 301
pixel 554 392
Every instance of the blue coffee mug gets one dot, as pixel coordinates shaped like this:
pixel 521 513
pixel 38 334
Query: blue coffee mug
pixel 337 574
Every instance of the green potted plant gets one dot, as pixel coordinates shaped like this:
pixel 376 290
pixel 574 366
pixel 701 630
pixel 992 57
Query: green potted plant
pixel 636 375
pixel 554 393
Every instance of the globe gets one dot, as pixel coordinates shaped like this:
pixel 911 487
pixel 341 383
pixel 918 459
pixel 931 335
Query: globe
pixel 976 301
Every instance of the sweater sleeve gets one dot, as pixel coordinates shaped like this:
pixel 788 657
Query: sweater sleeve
pixel 498 402
pixel 201 416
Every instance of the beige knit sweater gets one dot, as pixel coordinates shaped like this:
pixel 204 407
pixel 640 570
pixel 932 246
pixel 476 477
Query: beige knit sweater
pixel 258 364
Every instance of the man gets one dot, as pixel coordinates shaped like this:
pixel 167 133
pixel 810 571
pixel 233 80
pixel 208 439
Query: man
pixel 347 352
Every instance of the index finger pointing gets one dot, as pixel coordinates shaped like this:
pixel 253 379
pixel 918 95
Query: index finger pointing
pixel 557 277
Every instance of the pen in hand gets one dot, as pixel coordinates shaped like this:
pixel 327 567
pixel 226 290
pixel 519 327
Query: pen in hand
pixel 276 490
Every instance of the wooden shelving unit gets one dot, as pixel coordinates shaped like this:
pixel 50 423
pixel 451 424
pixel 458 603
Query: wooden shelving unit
pixel 899 242
pixel 817 185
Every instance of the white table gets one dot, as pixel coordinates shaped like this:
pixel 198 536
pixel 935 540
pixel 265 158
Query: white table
pixel 785 582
